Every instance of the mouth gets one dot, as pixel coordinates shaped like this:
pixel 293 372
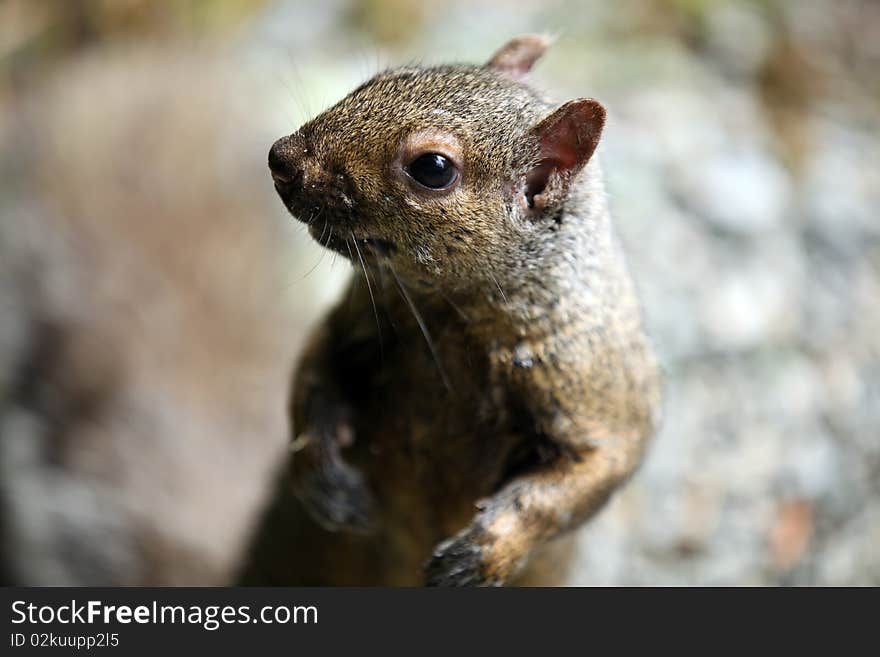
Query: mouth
pixel 352 245
pixel 375 246
pixel 333 233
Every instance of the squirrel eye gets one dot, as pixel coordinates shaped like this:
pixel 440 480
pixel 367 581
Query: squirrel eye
pixel 433 171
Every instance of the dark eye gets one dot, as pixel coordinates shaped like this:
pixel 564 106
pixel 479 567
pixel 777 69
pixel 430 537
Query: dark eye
pixel 433 171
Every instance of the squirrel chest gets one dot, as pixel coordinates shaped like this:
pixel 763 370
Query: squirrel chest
pixel 439 420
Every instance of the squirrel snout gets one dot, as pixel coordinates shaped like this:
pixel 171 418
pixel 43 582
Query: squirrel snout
pixel 283 165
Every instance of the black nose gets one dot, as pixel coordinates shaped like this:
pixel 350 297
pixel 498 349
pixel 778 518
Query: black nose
pixel 282 163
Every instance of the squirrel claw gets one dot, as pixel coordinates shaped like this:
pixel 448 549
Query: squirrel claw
pixel 458 561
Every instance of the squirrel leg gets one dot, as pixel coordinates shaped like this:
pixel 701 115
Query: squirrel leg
pixel 334 493
pixel 528 511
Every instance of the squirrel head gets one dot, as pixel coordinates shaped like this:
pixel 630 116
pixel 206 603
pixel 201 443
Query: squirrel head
pixel 440 172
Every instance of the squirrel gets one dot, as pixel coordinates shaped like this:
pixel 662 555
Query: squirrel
pixel 486 383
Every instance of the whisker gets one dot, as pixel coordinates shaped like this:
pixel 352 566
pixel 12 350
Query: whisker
pixel 327 246
pixel 372 299
pixel 498 285
pixel 455 307
pixel 383 290
pixel 315 266
pixel 323 251
pixel 422 326
pixel 381 276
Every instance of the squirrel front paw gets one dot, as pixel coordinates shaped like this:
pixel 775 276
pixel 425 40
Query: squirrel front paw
pixel 461 561
pixel 333 493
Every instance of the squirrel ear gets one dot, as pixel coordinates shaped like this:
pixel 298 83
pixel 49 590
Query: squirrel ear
pixel 516 57
pixel 567 139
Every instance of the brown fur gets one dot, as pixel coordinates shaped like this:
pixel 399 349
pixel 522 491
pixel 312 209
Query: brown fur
pixel 534 391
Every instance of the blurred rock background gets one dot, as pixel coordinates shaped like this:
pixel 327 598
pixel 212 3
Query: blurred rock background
pixel 742 159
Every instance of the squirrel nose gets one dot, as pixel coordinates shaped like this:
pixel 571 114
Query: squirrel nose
pixel 282 164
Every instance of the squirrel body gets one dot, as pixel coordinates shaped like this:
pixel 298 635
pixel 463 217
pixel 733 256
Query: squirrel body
pixel 485 384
